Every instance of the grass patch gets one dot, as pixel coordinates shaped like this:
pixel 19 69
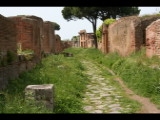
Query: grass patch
pixel 66 75
pixel 138 72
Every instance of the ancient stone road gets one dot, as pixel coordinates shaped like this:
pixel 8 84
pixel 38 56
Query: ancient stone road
pixel 100 96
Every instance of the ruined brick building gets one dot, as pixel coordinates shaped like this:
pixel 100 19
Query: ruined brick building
pixel 29 33
pixel 75 41
pixel 25 32
pixel 153 39
pixel 86 40
pixel 129 34
pixel 48 37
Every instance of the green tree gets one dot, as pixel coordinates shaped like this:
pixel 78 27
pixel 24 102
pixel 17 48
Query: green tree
pixel 94 13
pixel 74 38
pixel 99 30
pixel 99 33
pixel 109 21
pixel 112 12
pixel 90 13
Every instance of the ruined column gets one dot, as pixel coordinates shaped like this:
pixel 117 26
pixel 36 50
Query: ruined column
pixel 105 44
pixel 40 95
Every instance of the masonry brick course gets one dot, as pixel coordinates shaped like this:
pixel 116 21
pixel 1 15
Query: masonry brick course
pixel 7 36
pixel 105 42
pixel 153 39
pixel 128 34
pixel 86 39
pixel 58 44
pixel 49 37
pixel 31 33
pixel 122 35
pixel 66 44
pixel 29 30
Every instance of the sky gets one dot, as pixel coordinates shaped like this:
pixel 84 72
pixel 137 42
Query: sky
pixel 53 14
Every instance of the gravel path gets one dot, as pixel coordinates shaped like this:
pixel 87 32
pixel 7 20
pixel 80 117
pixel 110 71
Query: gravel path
pixel 101 96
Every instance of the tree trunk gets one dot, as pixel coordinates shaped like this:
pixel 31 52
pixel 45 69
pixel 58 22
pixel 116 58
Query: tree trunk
pixel 94 24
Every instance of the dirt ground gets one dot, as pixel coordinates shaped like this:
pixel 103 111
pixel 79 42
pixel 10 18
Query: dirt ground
pixel 147 106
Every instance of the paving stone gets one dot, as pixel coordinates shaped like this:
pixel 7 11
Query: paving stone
pixel 100 106
pixel 115 112
pixel 116 109
pixel 101 79
pixel 96 102
pixel 103 84
pixel 97 111
pixel 106 89
pixel 105 95
pixel 91 95
pixel 118 96
pixel 96 98
pixel 88 108
pixel 114 105
pixel 101 96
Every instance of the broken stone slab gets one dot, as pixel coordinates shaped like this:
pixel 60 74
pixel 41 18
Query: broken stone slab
pixel 40 95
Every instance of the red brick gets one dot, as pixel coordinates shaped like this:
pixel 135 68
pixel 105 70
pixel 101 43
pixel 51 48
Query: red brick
pixel 49 37
pixel 86 39
pixel 153 39
pixel 29 32
pixel 7 35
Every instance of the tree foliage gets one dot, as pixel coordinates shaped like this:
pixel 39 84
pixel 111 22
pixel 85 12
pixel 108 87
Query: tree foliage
pixel 74 38
pixel 112 12
pixel 56 26
pixel 99 33
pixel 109 21
pixel 99 30
pixel 90 13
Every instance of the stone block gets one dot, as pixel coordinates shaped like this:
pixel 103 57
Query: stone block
pixel 40 94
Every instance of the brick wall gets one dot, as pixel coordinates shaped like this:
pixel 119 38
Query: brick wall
pixel 82 38
pixel 104 42
pixel 49 37
pixel 7 37
pixel 30 33
pixel 37 24
pixel 90 40
pixel 66 44
pixel 86 39
pixel 128 34
pixel 153 39
pixel 146 21
pixel 58 44
pixel 11 72
pixel 125 35
pixel 29 30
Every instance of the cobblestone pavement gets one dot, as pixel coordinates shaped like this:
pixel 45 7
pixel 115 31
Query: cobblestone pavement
pixel 101 96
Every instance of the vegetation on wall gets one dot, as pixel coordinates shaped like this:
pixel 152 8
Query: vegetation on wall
pixel 27 53
pixel 11 56
pixel 109 21
pixel 7 58
pixel 99 30
pixel 99 33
